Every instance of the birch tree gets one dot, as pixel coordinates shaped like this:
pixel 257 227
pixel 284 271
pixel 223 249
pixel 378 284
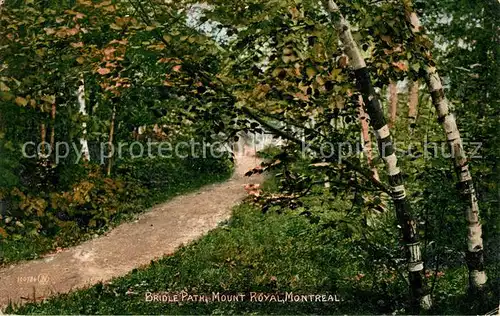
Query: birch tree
pixel 83 112
pixel 378 123
pixel 474 256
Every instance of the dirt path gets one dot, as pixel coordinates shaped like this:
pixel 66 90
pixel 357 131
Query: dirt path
pixel 155 234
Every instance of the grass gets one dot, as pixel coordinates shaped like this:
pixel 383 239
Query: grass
pixel 185 182
pixel 264 253
pixel 334 252
pixel 252 252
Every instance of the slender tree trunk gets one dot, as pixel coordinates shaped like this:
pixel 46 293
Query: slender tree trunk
pixel 43 136
pixel 393 103
pixel 53 127
pixel 474 256
pixel 413 103
pixel 43 157
pixel 378 122
pixel 83 112
pixel 111 135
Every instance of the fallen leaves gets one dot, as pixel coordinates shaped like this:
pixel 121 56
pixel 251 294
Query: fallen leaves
pixel 302 97
pixel 3 232
pixel 253 189
pixel 109 53
pixel 401 65
pixel 77 45
pixel 103 71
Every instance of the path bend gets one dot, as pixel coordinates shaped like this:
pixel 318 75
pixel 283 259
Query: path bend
pixel 154 234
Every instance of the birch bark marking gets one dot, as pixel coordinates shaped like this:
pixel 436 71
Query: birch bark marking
pixel 475 250
pixel 83 112
pixel 387 151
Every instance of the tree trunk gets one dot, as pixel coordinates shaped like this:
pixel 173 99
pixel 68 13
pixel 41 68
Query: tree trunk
pixel 43 136
pixel 413 104
pixel 393 103
pixel 111 133
pixel 43 157
pixel 474 256
pixel 53 127
pixel 83 112
pixel 378 122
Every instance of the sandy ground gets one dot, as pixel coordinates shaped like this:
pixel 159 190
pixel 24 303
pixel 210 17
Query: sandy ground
pixel 154 234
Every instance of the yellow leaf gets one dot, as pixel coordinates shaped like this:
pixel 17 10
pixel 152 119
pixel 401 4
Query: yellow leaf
pixel 311 72
pixel 102 4
pixel 276 72
pixel 49 31
pixel 3 87
pixel 320 81
pixel 335 73
pixel 150 27
pixel 40 52
pixel 110 8
pixel 85 2
pixel 49 98
pixel 21 101
pixel 6 96
pixel 160 46
pixel 167 38
pixel 77 45
pixel 80 60
pixel 386 38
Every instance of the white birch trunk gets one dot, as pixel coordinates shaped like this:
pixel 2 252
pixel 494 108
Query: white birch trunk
pixel 83 112
pixel 477 275
pixel 410 236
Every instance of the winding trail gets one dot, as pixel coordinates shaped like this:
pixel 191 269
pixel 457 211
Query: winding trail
pixel 154 234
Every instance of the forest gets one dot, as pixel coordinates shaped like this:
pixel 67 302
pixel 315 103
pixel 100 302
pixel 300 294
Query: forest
pixel 275 157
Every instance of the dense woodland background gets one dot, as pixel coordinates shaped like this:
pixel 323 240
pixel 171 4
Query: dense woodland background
pixel 92 72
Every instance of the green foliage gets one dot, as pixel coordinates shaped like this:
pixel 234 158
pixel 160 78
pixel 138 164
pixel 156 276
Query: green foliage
pixel 143 66
pixel 96 203
pixel 269 253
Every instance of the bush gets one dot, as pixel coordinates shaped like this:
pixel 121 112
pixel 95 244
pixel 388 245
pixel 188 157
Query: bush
pixel 94 203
